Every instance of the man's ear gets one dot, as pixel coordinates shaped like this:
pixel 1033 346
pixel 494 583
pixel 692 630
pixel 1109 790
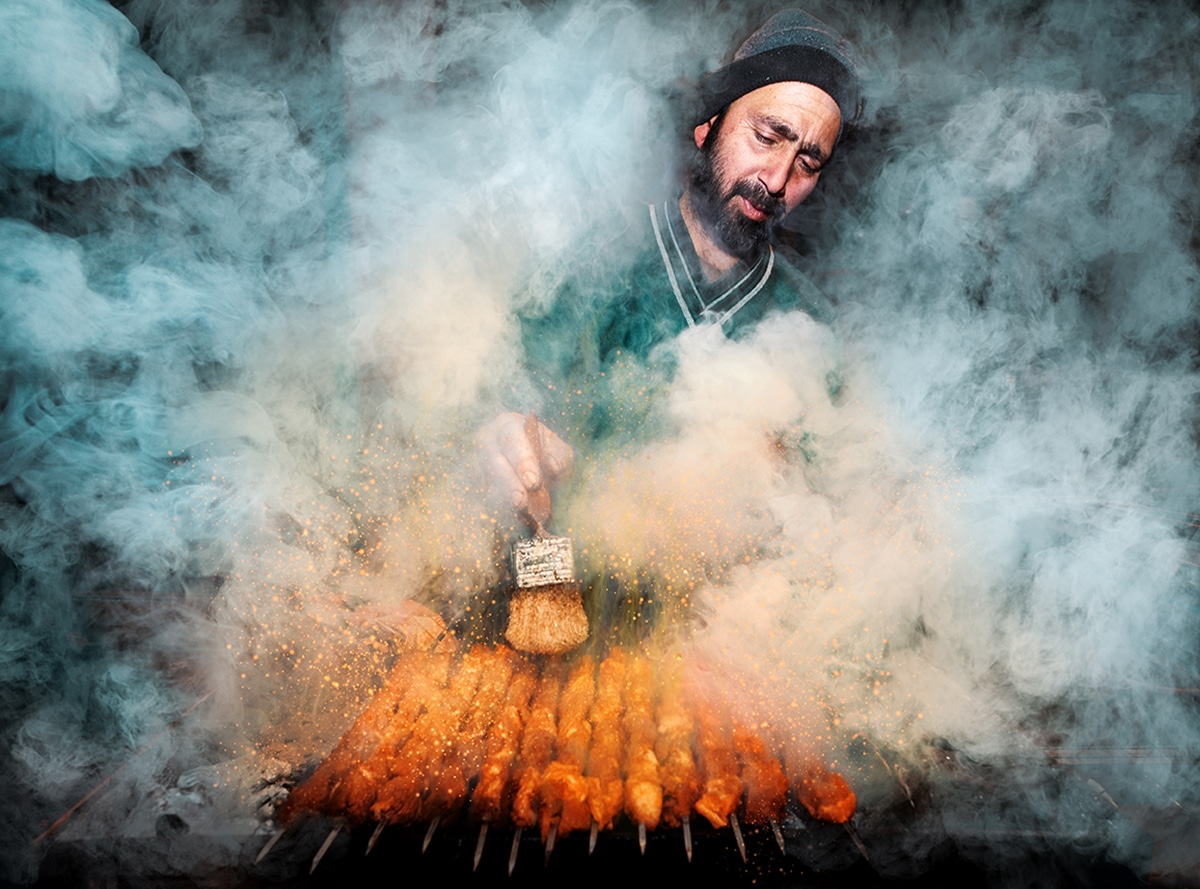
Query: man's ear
pixel 701 132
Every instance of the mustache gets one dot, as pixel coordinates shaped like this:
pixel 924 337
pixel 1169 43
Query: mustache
pixel 756 193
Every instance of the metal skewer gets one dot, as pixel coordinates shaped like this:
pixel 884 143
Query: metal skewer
pixel 592 839
pixel 857 841
pixel 270 844
pixel 324 848
pixel 1176 803
pixel 900 776
pixel 1096 786
pixel 375 837
pixel 778 836
pixel 550 838
pixel 429 833
pixel 66 816
pixel 687 837
pixel 516 846
pixel 737 835
pixel 479 845
pixel 642 837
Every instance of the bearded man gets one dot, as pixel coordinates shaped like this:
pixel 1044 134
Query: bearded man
pixel 768 124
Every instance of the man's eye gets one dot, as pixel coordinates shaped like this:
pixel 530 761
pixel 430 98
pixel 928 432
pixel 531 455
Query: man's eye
pixel 763 138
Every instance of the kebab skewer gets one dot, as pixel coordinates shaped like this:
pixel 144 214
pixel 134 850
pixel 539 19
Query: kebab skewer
pixel 448 782
pixel 564 789
pixel 493 791
pixel 823 793
pixel 414 751
pixel 762 776
pixel 606 791
pixel 673 745
pixel 763 781
pixel 643 785
pixel 537 748
pixel 418 763
pixel 355 794
pixel 345 766
pixel 721 786
pixel 358 743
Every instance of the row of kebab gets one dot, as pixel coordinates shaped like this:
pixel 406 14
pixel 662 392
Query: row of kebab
pixel 562 745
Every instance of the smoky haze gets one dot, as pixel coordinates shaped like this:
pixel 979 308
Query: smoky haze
pixel 261 269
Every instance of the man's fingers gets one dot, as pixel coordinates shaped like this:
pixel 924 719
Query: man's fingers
pixel 515 447
pixel 505 480
pixel 528 469
pixel 557 456
pixel 512 457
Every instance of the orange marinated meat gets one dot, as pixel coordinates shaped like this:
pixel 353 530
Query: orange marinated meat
pixel 643 785
pixel 763 781
pixel 606 790
pixel 564 789
pixel 721 787
pixel 673 745
pixel 416 765
pixel 354 796
pixel 358 744
pixel 824 793
pixel 537 747
pixel 493 792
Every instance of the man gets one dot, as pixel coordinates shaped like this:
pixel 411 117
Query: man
pixel 768 125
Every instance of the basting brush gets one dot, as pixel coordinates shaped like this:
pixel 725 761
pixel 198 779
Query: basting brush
pixel 545 611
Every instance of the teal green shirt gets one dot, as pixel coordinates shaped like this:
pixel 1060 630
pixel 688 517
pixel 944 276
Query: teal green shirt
pixel 598 337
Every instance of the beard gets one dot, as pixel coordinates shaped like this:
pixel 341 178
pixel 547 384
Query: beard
pixel 714 205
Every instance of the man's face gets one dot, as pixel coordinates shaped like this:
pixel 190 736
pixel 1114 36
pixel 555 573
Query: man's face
pixel 759 159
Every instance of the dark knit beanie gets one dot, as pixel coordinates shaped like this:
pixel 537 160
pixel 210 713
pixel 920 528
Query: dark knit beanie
pixel 792 45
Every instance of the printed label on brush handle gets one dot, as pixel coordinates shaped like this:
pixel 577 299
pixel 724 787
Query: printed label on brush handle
pixel 541 561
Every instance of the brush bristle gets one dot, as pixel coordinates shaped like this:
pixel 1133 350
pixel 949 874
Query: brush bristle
pixel 547 620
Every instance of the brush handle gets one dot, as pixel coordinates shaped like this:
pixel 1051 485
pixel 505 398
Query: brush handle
pixel 539 498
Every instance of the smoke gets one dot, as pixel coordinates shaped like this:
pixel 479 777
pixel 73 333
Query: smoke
pixel 102 107
pixel 262 267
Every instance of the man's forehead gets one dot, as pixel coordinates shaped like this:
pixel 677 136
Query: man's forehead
pixel 791 103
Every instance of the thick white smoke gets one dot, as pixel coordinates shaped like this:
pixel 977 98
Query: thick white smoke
pixel 261 266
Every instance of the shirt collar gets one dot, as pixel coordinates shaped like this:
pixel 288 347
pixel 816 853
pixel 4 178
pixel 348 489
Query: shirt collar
pixel 703 301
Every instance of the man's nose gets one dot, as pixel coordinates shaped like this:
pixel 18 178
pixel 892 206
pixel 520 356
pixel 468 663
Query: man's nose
pixel 774 176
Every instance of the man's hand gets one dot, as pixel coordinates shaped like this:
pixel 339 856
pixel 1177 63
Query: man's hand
pixel 512 458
